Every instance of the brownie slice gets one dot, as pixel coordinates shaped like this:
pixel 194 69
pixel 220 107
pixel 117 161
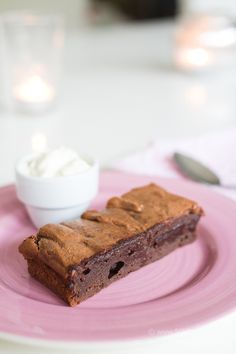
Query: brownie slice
pixel 76 259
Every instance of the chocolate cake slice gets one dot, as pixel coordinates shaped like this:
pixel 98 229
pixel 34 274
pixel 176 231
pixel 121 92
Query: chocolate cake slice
pixel 76 259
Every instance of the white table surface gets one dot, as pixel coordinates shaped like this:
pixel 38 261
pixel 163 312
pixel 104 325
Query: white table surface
pixel 121 91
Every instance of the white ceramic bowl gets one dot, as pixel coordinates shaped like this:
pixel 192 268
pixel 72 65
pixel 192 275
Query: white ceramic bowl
pixel 56 199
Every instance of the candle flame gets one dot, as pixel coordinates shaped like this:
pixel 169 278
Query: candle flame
pixel 197 56
pixel 34 89
pixel 193 57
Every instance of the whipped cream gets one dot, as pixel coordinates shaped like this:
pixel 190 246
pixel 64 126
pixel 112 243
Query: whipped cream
pixel 53 163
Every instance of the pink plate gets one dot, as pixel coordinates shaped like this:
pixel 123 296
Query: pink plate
pixel 194 284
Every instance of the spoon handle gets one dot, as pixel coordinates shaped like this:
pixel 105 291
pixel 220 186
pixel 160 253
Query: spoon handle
pixel 228 186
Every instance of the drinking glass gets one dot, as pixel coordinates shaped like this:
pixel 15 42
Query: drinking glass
pixel 32 56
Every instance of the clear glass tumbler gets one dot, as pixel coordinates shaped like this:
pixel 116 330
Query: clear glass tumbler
pixel 32 50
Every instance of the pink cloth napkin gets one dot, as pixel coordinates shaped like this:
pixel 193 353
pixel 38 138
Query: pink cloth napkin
pixel 217 150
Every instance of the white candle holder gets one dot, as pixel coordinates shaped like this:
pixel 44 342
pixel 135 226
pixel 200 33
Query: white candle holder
pixel 204 42
pixel 33 59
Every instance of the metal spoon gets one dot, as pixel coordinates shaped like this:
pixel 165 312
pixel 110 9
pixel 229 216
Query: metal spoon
pixel 197 171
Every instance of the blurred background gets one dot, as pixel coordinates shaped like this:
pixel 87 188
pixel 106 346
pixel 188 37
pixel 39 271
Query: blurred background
pixel 109 77
pixel 128 81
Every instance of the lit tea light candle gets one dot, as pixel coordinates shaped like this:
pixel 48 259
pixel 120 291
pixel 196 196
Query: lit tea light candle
pixel 204 41
pixel 32 52
pixel 34 90
pixel 191 50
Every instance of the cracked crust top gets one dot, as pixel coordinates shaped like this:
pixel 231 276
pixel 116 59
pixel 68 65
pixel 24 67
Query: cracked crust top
pixel 63 245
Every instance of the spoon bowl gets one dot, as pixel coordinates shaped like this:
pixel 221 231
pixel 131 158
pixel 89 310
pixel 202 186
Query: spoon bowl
pixel 197 171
